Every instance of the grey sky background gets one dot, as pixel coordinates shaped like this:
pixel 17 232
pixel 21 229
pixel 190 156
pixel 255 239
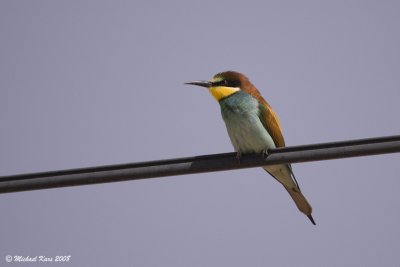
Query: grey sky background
pixel 87 83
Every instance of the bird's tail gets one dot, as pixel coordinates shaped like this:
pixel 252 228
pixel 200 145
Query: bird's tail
pixel 301 202
pixel 284 175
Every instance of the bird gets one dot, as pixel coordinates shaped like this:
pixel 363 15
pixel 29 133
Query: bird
pixel 253 127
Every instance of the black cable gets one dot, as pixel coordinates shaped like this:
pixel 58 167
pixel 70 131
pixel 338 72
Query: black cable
pixel 198 164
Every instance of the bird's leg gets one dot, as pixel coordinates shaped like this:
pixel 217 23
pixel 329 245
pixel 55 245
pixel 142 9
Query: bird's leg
pixel 265 153
pixel 238 155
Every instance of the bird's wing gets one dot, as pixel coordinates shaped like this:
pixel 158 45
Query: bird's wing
pixel 271 123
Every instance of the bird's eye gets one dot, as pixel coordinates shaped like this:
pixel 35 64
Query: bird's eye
pixel 221 83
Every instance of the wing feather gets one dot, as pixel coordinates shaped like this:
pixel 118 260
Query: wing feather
pixel 271 123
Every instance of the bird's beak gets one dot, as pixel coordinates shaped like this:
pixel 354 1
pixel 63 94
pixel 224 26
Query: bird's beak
pixel 201 83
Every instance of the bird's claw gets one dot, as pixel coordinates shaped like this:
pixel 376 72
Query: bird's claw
pixel 238 155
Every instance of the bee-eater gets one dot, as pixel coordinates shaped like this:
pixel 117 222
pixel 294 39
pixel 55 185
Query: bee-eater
pixel 253 126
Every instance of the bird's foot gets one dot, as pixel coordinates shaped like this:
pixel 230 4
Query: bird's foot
pixel 238 155
pixel 265 153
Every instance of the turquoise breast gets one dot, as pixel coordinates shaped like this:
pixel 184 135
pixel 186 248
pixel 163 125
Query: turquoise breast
pixel 240 112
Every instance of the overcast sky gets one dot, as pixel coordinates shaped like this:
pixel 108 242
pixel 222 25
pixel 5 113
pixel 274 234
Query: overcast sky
pixel 88 83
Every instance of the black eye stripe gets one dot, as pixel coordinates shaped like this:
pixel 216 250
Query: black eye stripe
pixel 220 83
pixel 227 83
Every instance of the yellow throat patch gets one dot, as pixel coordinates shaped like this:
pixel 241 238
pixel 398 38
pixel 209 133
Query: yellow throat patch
pixel 220 92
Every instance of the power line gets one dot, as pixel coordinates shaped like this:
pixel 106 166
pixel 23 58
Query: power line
pixel 198 164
